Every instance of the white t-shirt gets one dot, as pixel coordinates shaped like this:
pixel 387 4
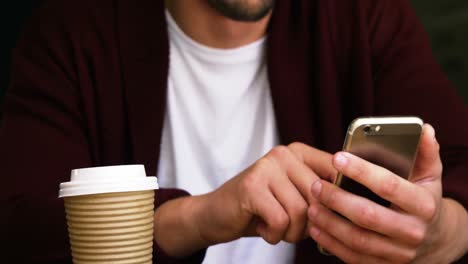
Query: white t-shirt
pixel 219 120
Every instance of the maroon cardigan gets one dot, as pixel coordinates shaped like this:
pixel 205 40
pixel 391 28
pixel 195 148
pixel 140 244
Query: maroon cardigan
pixel 89 88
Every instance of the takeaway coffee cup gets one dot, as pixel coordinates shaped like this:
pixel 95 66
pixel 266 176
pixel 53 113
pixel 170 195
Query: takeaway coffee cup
pixel 110 214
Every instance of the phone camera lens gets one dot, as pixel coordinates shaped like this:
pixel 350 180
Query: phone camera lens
pixel 367 129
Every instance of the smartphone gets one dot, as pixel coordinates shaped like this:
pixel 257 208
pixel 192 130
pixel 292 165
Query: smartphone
pixel 390 142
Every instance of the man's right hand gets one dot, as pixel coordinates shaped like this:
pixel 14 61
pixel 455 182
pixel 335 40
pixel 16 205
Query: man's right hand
pixel 268 199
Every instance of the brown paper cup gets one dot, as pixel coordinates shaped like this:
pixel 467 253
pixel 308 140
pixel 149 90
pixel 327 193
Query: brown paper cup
pixel 112 227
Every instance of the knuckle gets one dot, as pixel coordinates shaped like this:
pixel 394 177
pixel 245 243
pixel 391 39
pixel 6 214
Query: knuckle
pixel 262 166
pixel 324 223
pixel 279 153
pixel 290 238
pixel 359 241
pixel 428 209
pixel 296 149
pixel 293 237
pixel 297 222
pixel 299 210
pixel 271 238
pixel 369 217
pixel 417 236
pixel 296 145
pixel 279 223
pixel 360 169
pixel 330 197
pixel 390 187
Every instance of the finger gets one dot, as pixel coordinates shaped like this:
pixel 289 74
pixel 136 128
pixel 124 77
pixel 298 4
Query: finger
pixel 428 165
pixel 275 220
pixel 356 238
pixel 340 250
pixel 319 161
pixel 368 214
pixel 406 195
pixel 297 172
pixel 294 205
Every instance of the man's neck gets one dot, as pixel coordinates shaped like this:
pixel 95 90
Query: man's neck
pixel 208 27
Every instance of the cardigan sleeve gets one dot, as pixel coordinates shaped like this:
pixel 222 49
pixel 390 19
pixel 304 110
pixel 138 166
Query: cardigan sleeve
pixel 409 81
pixel 42 137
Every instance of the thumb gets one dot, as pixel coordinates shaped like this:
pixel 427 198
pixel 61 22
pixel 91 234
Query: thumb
pixel 428 166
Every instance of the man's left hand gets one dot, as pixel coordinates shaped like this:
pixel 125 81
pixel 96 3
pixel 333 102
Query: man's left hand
pixel 419 225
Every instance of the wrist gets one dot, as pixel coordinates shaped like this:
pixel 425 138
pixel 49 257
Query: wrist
pixel 176 228
pixel 215 216
pixel 462 231
pixel 196 218
pixel 455 237
pixel 204 218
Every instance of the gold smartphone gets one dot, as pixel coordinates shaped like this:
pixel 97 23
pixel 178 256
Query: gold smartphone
pixel 389 142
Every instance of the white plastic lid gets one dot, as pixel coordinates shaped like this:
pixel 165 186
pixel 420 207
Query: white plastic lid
pixel 126 178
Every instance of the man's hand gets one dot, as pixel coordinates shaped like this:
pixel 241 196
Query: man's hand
pixel 420 225
pixel 268 199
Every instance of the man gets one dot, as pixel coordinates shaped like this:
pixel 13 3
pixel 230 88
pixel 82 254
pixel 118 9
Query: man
pixel 203 92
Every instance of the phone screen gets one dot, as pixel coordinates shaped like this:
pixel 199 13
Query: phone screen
pixel 392 146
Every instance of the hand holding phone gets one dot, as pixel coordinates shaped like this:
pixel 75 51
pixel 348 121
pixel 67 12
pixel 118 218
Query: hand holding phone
pixel 389 142
pixel 420 226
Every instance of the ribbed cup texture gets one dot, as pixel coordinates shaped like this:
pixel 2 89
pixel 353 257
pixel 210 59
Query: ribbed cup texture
pixel 112 228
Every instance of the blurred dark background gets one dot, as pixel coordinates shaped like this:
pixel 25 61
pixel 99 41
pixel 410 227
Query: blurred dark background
pixel 447 24
pixel 445 20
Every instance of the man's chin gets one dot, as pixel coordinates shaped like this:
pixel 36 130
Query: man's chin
pixel 241 10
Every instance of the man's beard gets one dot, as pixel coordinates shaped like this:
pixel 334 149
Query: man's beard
pixel 241 10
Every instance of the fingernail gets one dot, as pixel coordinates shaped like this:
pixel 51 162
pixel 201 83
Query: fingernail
pixel 316 188
pixel 314 231
pixel 341 160
pixel 313 211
